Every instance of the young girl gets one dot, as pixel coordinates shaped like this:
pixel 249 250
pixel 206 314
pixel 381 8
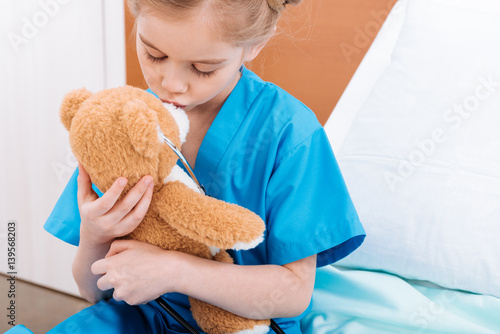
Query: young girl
pixel 250 143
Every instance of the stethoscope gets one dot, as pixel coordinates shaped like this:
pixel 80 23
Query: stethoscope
pixel 184 162
pixel 160 300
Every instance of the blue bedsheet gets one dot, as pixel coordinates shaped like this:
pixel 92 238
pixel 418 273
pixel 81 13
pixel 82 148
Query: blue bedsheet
pixel 352 301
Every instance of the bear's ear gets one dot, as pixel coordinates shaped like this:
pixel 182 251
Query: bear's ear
pixel 70 105
pixel 142 126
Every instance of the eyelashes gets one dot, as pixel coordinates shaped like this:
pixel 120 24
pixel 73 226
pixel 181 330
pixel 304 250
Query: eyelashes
pixel 196 71
pixel 154 59
pixel 201 73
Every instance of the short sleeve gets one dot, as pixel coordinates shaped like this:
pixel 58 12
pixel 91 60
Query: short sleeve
pixel 64 220
pixel 310 210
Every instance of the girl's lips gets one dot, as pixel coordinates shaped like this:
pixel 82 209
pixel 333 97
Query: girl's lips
pixel 175 104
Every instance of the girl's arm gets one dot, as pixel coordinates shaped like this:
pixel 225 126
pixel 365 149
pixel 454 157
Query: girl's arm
pixel 86 255
pixel 139 272
pixel 256 292
pixel 102 222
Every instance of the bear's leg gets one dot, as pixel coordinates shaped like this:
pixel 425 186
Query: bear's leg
pixel 215 320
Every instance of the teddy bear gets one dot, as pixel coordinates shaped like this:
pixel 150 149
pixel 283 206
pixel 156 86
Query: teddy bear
pixel 120 132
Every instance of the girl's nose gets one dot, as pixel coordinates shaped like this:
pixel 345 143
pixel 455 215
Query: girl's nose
pixel 173 81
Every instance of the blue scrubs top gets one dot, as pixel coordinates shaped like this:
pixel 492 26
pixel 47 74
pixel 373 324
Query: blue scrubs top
pixel 265 151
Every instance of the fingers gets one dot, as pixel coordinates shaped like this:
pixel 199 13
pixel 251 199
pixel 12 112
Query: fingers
pixel 119 246
pixel 109 198
pixel 135 216
pixel 132 208
pixel 102 266
pixel 104 284
pixel 84 186
pixel 108 202
pixel 99 267
pixel 110 217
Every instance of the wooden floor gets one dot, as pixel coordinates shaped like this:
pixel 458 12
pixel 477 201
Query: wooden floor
pixel 38 308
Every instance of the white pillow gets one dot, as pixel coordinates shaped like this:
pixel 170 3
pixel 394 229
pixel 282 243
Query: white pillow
pixel 422 156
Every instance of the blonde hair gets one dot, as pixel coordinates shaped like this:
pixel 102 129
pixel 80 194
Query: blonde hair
pixel 240 22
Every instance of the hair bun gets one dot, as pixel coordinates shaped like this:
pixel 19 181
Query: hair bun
pixel 277 5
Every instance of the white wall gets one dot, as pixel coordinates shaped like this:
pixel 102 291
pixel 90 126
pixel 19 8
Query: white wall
pixel 47 48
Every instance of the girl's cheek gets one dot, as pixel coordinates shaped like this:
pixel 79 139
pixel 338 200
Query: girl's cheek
pixel 152 75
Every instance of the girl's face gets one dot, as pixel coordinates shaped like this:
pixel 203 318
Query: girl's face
pixel 184 64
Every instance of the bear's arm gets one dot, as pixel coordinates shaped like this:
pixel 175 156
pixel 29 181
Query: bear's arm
pixel 207 220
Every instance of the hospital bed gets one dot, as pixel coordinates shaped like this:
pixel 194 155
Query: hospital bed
pixel 416 135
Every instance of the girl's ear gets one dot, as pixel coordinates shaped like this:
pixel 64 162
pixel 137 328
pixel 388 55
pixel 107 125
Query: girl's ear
pixel 254 50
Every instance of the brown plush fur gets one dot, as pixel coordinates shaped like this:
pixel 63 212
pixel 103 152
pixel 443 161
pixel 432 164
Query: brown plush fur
pixel 114 133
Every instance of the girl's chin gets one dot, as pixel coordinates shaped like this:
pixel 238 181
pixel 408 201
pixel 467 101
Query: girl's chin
pixel 188 108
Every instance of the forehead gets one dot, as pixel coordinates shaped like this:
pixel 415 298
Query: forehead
pixel 191 37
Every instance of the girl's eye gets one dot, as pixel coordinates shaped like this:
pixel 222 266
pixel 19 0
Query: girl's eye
pixel 201 73
pixel 193 68
pixel 154 59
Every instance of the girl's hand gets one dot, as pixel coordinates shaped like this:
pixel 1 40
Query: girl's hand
pixel 137 271
pixel 104 219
